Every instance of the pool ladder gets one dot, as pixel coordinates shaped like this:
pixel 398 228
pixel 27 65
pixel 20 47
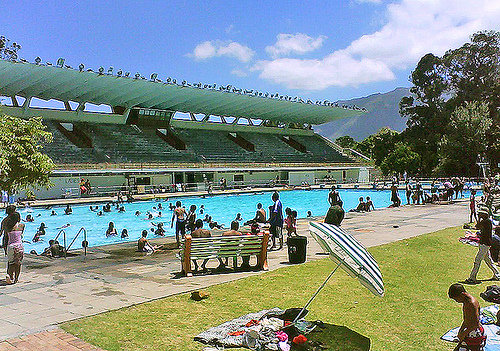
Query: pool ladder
pixel 84 242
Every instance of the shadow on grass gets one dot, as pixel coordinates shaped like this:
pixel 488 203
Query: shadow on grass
pixel 337 337
pixel 477 282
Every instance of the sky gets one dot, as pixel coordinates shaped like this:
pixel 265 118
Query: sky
pixel 313 49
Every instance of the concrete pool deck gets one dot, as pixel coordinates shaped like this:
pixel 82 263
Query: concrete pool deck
pixel 52 291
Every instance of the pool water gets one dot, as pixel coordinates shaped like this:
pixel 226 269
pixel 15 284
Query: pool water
pixel 222 208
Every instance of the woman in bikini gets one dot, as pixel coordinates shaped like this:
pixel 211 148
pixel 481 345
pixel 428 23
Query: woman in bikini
pixel 13 234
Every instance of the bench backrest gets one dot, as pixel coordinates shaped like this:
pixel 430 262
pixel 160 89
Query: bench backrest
pixel 223 246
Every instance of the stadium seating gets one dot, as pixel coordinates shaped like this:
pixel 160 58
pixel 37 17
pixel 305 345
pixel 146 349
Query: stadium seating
pixel 122 144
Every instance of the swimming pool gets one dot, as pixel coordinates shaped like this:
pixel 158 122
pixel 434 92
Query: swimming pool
pixel 222 208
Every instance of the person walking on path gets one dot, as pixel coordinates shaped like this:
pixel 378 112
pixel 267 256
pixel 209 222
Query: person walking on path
pixel 276 221
pixel 485 231
pixel 471 333
pixel 13 246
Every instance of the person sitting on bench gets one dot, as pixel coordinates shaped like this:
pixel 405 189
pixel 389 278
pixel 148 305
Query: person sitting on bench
pixel 199 232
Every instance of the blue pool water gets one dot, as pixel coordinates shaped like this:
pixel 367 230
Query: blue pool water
pixel 222 208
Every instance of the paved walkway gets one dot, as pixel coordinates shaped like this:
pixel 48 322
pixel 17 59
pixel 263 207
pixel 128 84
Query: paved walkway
pixel 53 340
pixel 52 291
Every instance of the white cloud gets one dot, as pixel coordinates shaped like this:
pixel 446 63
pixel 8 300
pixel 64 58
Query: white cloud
pixel 412 29
pixel 294 43
pixel 239 72
pixel 204 50
pixel 337 69
pixel 217 48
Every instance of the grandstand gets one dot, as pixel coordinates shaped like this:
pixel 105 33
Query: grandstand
pixel 241 135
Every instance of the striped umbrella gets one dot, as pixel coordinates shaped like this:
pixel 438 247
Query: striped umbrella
pixel 349 254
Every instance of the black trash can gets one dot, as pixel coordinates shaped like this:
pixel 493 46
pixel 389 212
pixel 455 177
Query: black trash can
pixel 297 246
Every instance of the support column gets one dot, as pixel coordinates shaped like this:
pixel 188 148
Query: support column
pixel 26 105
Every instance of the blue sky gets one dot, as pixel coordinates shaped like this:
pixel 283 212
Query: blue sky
pixel 313 49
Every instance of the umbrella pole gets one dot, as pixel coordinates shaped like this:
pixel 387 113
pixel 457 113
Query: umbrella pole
pixel 316 293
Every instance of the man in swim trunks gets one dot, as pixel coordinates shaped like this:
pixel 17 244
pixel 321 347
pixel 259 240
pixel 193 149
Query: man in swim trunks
pixel 179 216
pixel 471 335
pixel 334 197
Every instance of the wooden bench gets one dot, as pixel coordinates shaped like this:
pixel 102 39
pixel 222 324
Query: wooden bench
pixel 222 247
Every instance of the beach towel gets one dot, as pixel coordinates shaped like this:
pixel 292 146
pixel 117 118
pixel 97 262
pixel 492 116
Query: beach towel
pixel 227 335
pixel 488 317
pixel 470 238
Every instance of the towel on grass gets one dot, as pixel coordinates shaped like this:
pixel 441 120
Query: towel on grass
pixel 470 238
pixel 221 334
pixel 488 317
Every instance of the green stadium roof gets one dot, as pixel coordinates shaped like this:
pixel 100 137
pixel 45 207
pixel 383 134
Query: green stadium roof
pixel 66 84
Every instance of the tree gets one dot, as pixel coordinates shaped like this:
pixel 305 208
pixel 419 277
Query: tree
pixel 346 141
pixel 382 144
pixel 425 111
pixel 442 84
pixel 465 139
pixel 8 50
pixel 401 159
pixel 22 164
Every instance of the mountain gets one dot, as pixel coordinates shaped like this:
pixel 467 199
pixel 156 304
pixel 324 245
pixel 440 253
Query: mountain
pixel 383 111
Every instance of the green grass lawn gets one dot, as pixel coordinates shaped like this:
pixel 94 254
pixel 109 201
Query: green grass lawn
pixel 412 315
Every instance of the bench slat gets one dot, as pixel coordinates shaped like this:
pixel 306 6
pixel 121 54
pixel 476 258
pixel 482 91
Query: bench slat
pixel 233 254
pixel 225 247
pixel 198 252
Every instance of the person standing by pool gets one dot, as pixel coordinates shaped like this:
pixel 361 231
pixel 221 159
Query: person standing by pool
pixel 334 197
pixel 179 216
pixel 13 234
pixel 472 205
pixel 485 232
pixel 419 192
pixel 408 191
pixel 396 201
pixel 191 218
pixel 10 209
pixel 276 221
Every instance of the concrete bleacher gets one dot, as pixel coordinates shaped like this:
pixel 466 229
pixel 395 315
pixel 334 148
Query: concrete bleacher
pixel 61 150
pixel 130 144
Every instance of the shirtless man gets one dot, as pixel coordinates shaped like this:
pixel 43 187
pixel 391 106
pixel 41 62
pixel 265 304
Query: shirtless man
pixel 260 215
pixel 234 229
pixel 471 332
pixel 143 244
pixel 199 232
pixel 334 197
pixel 235 225
pixel 180 224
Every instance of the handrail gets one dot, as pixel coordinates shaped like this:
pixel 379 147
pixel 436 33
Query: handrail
pixel 58 234
pixel 82 229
